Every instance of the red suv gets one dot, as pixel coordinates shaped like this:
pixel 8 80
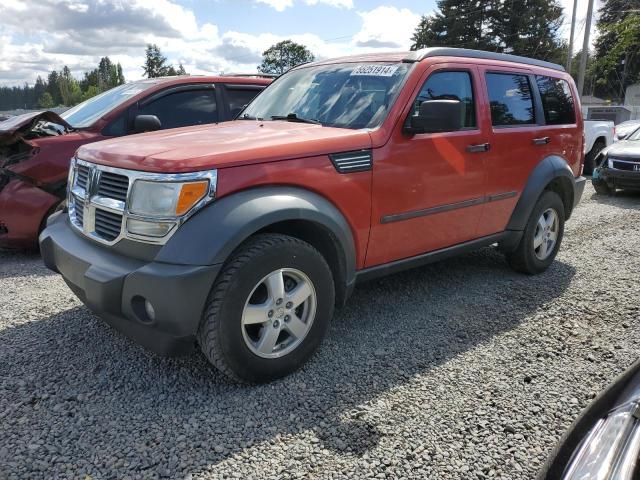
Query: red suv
pixel 243 237
pixel 35 148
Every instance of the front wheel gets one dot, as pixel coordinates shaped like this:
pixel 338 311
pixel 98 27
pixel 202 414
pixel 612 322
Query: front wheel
pixel 269 309
pixel 541 237
pixel 601 187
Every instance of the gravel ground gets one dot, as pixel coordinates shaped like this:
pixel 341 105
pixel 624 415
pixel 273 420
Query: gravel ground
pixel 462 369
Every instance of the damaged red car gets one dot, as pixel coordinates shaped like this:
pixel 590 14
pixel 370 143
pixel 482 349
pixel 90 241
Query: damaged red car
pixel 36 148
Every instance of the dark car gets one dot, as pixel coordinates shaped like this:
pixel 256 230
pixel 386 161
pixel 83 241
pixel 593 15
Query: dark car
pixel 36 148
pixel 618 166
pixel 604 442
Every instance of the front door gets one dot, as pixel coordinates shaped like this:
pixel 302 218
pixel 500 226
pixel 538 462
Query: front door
pixel 429 189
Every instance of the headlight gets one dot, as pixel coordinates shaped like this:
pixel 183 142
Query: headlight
pixel 160 199
pixel 610 163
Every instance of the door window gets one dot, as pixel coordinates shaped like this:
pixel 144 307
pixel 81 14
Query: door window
pixel 510 99
pixel 450 85
pixel 557 100
pixel 181 109
pixel 238 98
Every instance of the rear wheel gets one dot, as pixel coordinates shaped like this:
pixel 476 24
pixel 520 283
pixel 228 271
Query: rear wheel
pixel 269 310
pixel 542 236
pixel 590 157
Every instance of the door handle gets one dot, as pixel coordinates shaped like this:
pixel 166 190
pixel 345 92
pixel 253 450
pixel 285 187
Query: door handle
pixel 483 147
pixel 541 141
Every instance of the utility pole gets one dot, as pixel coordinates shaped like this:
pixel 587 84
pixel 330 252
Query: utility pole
pixel 573 30
pixel 585 49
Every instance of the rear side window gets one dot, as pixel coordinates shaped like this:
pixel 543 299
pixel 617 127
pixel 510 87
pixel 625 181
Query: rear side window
pixel 454 85
pixel 238 98
pixel 557 101
pixel 510 99
pixel 181 109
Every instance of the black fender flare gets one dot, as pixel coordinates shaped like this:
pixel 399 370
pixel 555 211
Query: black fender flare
pixel 212 234
pixel 551 169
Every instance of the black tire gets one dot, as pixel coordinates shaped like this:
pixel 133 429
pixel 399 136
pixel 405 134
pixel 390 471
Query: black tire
pixel 523 259
pixel 590 157
pixel 601 187
pixel 220 334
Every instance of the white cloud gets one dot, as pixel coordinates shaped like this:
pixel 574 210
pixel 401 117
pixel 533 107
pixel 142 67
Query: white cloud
pixel 77 33
pixel 387 27
pixel 281 5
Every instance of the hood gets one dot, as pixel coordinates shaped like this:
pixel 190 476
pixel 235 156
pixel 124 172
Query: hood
pixel 624 149
pixel 14 128
pixel 240 142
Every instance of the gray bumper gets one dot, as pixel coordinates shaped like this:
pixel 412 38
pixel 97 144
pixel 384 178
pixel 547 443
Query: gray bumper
pixel 579 190
pixel 115 287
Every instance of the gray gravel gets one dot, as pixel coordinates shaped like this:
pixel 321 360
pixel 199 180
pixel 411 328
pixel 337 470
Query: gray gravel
pixel 458 370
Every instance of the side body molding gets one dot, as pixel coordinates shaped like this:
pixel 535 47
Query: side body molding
pixel 211 235
pixel 551 169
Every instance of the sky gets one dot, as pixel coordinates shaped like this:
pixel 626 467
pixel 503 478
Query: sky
pixel 206 36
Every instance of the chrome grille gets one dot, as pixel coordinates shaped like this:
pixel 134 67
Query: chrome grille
pixel 108 224
pixel 112 185
pixel 97 200
pixel 631 164
pixel 82 176
pixel 79 211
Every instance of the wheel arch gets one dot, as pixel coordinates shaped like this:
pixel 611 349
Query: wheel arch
pixel 551 174
pixel 212 235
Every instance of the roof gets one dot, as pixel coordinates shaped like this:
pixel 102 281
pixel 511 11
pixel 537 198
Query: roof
pixel 419 55
pixel 257 79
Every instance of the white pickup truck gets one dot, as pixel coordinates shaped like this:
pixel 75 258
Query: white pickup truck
pixel 598 134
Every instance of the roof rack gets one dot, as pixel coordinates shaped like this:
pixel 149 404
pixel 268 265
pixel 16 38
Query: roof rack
pixel 423 53
pixel 251 75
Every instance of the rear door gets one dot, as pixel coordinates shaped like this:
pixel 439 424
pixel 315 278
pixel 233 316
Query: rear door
pixel 514 118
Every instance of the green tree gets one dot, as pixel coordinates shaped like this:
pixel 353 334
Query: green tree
pixel 46 101
pixel 617 47
pixel 283 56
pixel 528 28
pixel 457 23
pixel 181 70
pixel 522 27
pixel 155 64
pixel 54 88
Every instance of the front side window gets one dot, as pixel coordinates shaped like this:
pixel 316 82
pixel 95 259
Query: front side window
pixel 454 85
pixel 557 101
pixel 182 109
pixel 510 99
pixel 347 95
pixel 239 98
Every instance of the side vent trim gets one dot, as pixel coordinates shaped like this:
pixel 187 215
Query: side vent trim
pixel 352 162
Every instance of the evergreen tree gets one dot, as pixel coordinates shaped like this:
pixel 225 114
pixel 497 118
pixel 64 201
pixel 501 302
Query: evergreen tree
pixel 457 23
pixel 617 53
pixel 46 101
pixel 155 64
pixel 528 28
pixel 54 88
pixel 181 70
pixel 283 56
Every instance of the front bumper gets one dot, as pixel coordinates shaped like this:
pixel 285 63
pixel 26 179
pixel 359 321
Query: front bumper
pixel 617 178
pixel 115 287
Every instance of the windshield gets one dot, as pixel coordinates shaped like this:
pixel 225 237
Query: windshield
pixel 635 135
pixel 86 113
pixel 350 95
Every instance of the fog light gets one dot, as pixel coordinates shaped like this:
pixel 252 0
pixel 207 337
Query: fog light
pixel 148 229
pixel 148 308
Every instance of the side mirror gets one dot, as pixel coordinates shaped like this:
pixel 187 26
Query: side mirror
pixel 437 116
pixel 146 123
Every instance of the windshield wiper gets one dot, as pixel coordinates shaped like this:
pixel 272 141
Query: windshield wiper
pixel 292 117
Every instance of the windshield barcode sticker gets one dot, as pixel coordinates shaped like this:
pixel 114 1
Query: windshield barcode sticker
pixel 374 70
